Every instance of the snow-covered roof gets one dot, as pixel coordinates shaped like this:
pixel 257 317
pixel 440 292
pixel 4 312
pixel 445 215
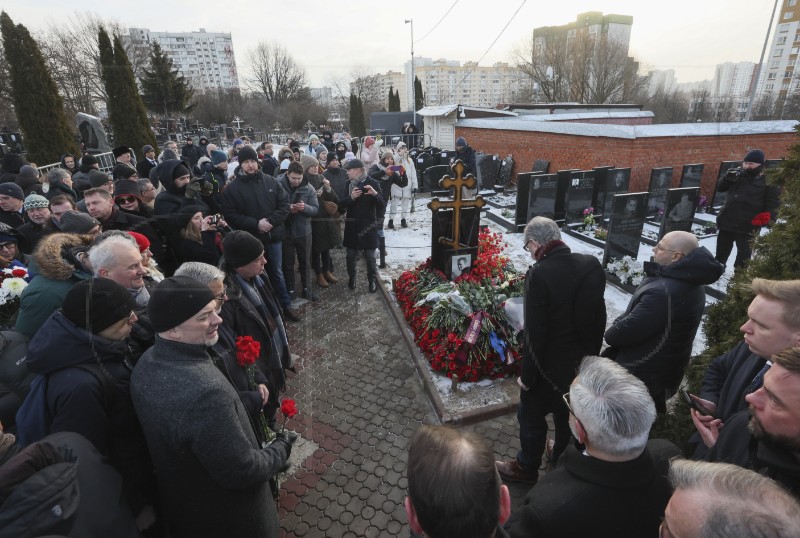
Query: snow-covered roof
pixel 441 110
pixel 589 115
pixel 534 124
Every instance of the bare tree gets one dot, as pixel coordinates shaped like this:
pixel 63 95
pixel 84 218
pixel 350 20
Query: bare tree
pixel 545 62
pixel 276 75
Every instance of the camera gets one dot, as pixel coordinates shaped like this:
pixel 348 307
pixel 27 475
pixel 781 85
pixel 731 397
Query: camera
pixel 733 174
pixel 214 220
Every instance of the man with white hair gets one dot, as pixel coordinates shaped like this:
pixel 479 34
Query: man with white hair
pixel 615 485
pixel 712 500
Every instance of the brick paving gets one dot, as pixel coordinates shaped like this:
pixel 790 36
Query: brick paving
pixel 360 401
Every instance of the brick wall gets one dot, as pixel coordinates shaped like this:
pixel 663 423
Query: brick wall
pixel 640 154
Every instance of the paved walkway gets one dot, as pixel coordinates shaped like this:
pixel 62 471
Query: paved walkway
pixel 360 401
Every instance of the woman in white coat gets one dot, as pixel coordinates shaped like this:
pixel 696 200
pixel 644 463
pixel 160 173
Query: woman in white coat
pixel 403 195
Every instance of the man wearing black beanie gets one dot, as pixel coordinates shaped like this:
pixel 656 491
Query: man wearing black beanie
pixel 256 203
pixel 748 195
pixel 213 474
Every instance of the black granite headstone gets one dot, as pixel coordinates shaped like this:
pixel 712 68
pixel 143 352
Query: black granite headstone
pixel 542 196
pixel 442 226
pixel 579 196
pixel 540 165
pixel 93 135
pixel 625 227
pixel 681 207
pixel 660 181
pixel 487 167
pixel 691 175
pixel 718 200
pixel 561 192
pixel 524 181
pixel 506 169
pixel 617 181
pixel 600 175
pixel 431 177
pixel 446 156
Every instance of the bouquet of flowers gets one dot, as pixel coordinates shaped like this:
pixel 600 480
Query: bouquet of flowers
pixel 588 218
pixel 762 219
pixel 461 326
pixel 247 352
pixel 627 270
pixel 13 280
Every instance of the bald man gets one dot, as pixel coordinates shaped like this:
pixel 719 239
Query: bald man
pixel 653 338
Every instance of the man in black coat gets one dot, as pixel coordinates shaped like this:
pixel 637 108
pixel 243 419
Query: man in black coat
pixel 771 327
pixel 147 163
pixel 617 485
pixel 565 316
pixel 465 152
pixel 191 153
pixel 765 438
pixel 268 161
pixel 653 337
pixel 256 203
pixel 748 195
pixel 11 204
pixel 365 208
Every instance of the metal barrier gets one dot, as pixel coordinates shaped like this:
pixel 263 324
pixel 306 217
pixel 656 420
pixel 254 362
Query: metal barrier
pixel 105 160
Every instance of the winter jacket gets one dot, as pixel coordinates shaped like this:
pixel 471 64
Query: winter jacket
pixel 33 233
pixel 96 405
pixel 14 219
pixel 9 169
pixel 369 155
pixel 28 184
pixel 15 379
pixel 653 337
pixel 468 156
pixel 80 180
pixel 249 198
pixel 339 181
pixel 325 233
pixel 299 224
pixel 213 477
pixel 144 166
pixel 565 315
pixel 206 252
pixel 747 197
pixel 387 179
pixel 364 215
pixel 57 271
pixel 60 188
pixel 728 377
pixel 269 165
pixel 126 221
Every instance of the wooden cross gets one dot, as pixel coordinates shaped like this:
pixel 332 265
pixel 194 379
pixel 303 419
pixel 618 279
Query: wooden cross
pixel 457 203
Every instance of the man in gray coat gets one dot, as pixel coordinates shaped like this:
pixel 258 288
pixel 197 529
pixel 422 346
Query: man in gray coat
pixel 213 476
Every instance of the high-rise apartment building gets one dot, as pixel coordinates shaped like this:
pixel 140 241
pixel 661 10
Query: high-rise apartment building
pixel 777 77
pixel 733 79
pixel 592 24
pixel 205 59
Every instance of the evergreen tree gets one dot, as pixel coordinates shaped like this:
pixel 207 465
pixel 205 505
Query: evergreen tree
pixel 397 100
pixel 419 99
pixel 352 113
pixel 362 130
pixel 39 107
pixel 126 112
pixel 391 99
pixel 394 100
pixel 164 89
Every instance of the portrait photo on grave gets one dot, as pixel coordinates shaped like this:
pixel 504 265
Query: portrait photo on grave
pixel 660 180
pixel 625 226
pixel 459 261
pixel 681 207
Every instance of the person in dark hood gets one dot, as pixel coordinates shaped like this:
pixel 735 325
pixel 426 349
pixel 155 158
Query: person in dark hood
pixel 80 179
pixel 69 163
pixel 28 180
pixel 60 182
pixel 336 175
pixel 202 145
pixel 653 337
pixel 465 152
pixel 748 195
pixel 327 140
pixel 340 150
pixel 191 153
pixel 82 351
pixel 12 162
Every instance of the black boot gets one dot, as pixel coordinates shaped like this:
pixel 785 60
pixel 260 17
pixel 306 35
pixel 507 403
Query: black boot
pixel 403 223
pixel 391 224
pixel 373 285
pixel 351 283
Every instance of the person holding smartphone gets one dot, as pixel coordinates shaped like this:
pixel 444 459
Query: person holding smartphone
pixel 393 180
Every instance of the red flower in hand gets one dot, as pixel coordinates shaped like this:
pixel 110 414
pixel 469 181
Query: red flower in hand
pixel 247 350
pixel 19 273
pixel 288 408
pixel 762 219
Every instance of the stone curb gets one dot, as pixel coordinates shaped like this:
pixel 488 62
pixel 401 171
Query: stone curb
pixel 421 365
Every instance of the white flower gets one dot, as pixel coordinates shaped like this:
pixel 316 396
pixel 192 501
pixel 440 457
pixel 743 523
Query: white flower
pixel 4 296
pixel 14 286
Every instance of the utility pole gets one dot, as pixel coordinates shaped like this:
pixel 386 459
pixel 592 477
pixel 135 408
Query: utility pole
pixel 760 63
pixel 413 80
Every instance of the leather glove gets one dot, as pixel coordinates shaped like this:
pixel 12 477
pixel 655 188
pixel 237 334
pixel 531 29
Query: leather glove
pixel 286 440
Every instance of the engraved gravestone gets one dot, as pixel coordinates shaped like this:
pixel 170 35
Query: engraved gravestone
pixel 600 174
pixel 563 179
pixel 625 227
pixel 691 175
pixel 540 165
pixel 524 181
pixel 579 196
pixel 660 181
pixel 542 196
pixel 488 167
pixel 617 181
pixel 681 207
pixel 506 169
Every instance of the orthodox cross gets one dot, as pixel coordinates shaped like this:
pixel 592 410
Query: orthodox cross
pixel 457 203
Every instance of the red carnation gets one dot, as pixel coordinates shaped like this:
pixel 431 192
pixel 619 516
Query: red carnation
pixel 288 408
pixel 247 350
pixel 19 273
pixel 762 219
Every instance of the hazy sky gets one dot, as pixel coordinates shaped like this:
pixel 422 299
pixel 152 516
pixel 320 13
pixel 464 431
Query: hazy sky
pixel 330 38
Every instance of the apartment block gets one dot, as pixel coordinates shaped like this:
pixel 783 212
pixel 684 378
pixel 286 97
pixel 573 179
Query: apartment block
pixel 777 78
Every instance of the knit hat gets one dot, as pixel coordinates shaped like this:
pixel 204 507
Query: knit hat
pixel 123 171
pixel 308 161
pixel 88 160
pixel 218 156
pixel 176 299
pixel 13 190
pixel 180 171
pixel 368 141
pixel 97 178
pixel 141 240
pixel 247 153
pixel 185 215
pixel 120 150
pixel 97 304
pixel 461 141
pixel 237 142
pixel 331 157
pixel 753 156
pixel 354 163
pixel 146 148
pixel 321 149
pixel 241 248
pixel 34 201
pixel 29 172
pixel 77 223
pixel 313 137
pixel 127 188
pixel 401 144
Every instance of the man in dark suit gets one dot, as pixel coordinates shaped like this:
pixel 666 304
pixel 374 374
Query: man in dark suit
pixel 565 316
pixel 144 166
pixel 615 486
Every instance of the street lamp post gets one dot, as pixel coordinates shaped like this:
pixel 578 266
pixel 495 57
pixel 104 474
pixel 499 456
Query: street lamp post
pixel 760 64
pixel 413 81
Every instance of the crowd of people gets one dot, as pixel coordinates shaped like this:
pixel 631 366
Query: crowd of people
pixel 158 351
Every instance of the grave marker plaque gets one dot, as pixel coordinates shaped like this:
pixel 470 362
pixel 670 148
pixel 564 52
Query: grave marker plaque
pixel 691 175
pixel 625 227
pixel 506 169
pixel 542 197
pixel 681 207
pixel 523 193
pixel 431 177
pixel 579 196
pixel 488 166
pixel 563 179
pixel 718 200
pixel 617 181
pixel 660 181
pixel 540 165
pixel 600 175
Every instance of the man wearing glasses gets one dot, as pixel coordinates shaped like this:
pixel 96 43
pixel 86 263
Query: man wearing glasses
pixel 653 337
pixel 615 484
pixel 565 316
